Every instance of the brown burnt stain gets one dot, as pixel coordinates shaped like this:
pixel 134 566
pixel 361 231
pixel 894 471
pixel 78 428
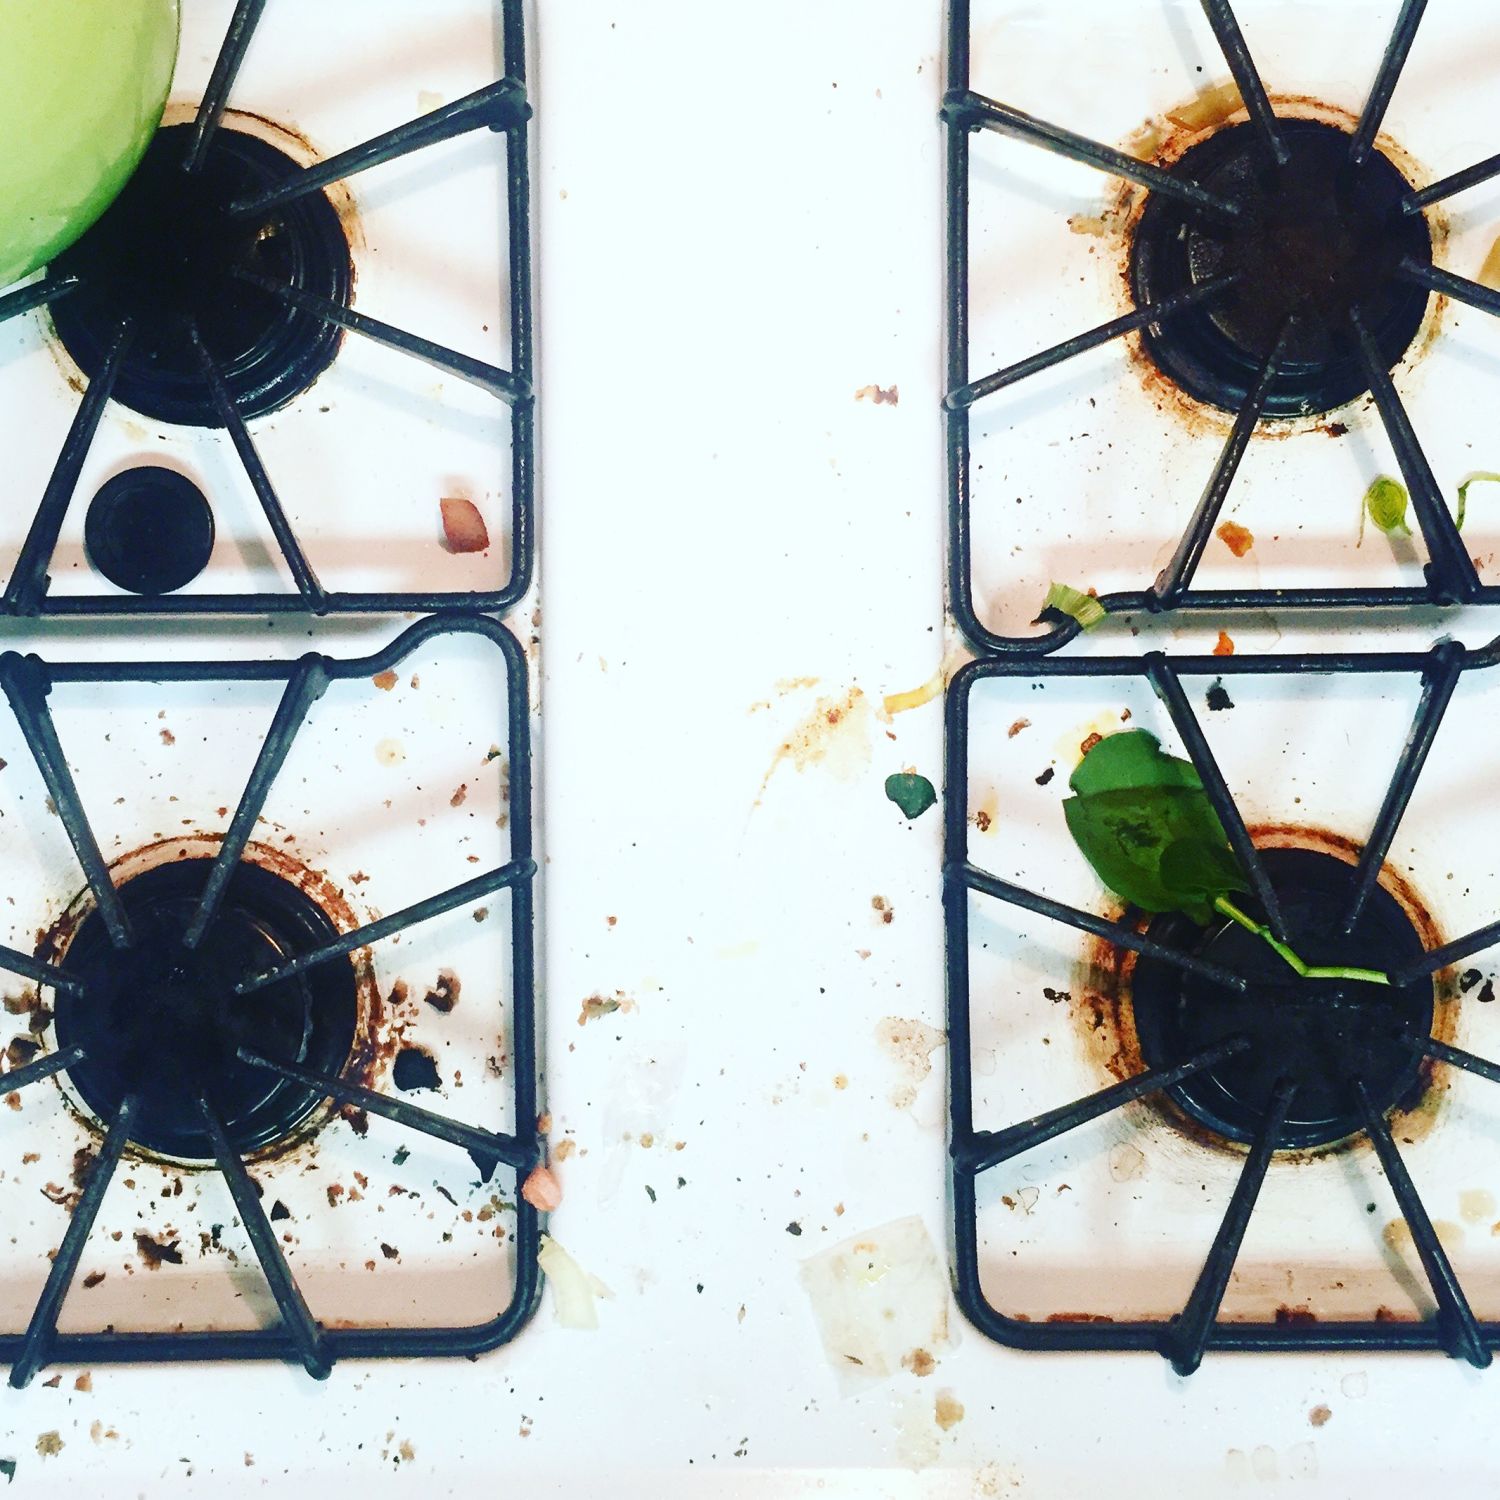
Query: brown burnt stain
pixel 1164 140
pixel 1299 1314
pixel 1079 1317
pixel 378 1027
pixel 1104 1019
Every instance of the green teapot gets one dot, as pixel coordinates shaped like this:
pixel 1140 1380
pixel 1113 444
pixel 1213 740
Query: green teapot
pixel 82 87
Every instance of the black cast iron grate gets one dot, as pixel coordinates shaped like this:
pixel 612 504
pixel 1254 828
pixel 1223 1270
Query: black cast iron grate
pixel 1253 354
pixel 195 935
pixel 1233 1065
pixel 251 316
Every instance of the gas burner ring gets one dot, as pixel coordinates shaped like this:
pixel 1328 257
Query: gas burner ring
pixel 1322 1035
pixel 168 258
pixel 1317 238
pixel 163 1019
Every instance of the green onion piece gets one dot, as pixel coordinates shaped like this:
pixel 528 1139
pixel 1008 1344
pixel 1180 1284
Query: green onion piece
pixel 1084 608
pixel 1483 477
pixel 1386 501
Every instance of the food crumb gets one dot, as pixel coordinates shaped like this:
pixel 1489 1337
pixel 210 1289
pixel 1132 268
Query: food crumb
pixel 1319 1415
pixel 49 1443
pixel 1224 646
pixel 919 1362
pixel 385 681
pixel 1017 727
pixel 888 395
pixel 542 1190
pixel 168 738
pixel 84 1382
pixel 443 995
pixel 1236 538
pixel 463 527
pixel 457 799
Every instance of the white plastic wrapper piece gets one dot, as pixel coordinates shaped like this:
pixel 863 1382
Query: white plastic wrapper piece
pixel 881 1301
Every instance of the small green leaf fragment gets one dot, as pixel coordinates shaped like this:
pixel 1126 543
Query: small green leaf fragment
pixel 1084 608
pixel 913 794
pixel 1386 501
pixel 1483 477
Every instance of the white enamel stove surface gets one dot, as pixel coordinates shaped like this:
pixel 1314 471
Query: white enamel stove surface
pixel 713 295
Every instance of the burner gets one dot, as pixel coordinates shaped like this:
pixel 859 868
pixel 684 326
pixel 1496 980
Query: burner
pixel 149 530
pixel 164 1018
pixel 1318 238
pixel 167 255
pixel 1319 1033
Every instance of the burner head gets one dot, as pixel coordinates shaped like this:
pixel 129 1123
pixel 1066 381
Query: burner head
pixel 164 1019
pixel 1317 238
pixel 166 254
pixel 1322 1033
pixel 149 530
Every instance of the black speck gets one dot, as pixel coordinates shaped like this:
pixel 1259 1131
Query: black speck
pixel 1468 979
pixel 8 1468
pixel 279 1210
pixel 682 1182
pixel 700 1288
pixel 1218 699
pixel 399 1159
pixel 651 1192
pixel 1487 992
pixel 438 1187
pixel 794 1227
pixel 415 1069
pixel 389 1251
pixel 1056 996
pixel 1369 1208
pixel 1046 776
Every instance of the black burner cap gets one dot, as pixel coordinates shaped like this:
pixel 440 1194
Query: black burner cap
pixel 1317 238
pixel 1321 1033
pixel 149 530
pixel 163 1020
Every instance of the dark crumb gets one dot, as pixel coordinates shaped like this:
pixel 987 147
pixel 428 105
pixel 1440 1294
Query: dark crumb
pixel 1218 699
pixel 1336 429
pixel 982 821
pixel 1487 992
pixel 21 1050
pixel 1468 979
pixel 93 1279
pixel 415 1069
pixel 651 1194
pixel 794 1227
pixel 399 1159
pixel 1302 1314
pixel 279 1210
pixel 444 1191
pixel 154 1251
pixel 480 913
pixel 443 996
pixel 335 1192
pixel 1046 776
pixel 1056 996
pixel 1089 743
pixel 1078 1317
pixel 358 1121
pixel 389 1251
pixel 457 799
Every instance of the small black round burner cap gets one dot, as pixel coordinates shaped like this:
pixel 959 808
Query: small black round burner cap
pixel 168 255
pixel 1317 238
pixel 1321 1033
pixel 163 1019
pixel 149 530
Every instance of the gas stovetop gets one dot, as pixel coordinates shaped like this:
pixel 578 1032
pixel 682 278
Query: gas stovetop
pixel 268 923
pixel 1163 1137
